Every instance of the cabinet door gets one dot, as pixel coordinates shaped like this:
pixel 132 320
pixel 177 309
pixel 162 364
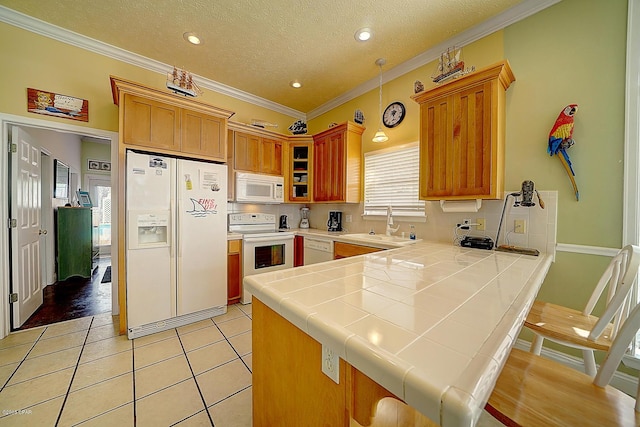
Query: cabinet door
pixel 203 134
pixel 270 156
pixel 246 151
pixel 329 168
pixel 437 148
pixel 299 179
pixel 298 251
pixel 234 271
pixel 337 184
pixel 472 141
pixel 321 169
pixel 150 123
pixel 346 250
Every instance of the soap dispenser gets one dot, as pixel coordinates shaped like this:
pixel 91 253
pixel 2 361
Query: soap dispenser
pixel 412 233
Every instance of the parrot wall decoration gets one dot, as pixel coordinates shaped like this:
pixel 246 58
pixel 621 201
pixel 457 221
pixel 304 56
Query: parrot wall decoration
pixel 561 138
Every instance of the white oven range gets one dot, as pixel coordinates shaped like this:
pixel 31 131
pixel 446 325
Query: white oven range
pixel 264 248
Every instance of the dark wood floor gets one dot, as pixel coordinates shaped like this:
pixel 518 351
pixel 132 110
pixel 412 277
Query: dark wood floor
pixel 73 298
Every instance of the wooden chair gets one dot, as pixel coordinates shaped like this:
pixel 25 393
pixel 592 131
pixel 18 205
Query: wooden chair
pixel 534 391
pixel 582 330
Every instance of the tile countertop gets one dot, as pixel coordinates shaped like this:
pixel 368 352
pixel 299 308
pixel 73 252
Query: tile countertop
pixel 431 322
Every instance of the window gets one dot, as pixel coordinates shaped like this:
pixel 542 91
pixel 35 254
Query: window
pixel 631 214
pixel 391 178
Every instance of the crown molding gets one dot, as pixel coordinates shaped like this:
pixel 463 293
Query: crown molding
pixel 515 14
pixel 45 29
pixel 506 18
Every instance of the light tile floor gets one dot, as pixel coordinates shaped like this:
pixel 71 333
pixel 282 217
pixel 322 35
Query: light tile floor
pixel 80 372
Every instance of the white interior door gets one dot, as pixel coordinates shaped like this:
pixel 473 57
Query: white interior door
pixel 25 236
pixel 47 248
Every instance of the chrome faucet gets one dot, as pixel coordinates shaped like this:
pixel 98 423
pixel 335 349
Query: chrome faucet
pixel 390 229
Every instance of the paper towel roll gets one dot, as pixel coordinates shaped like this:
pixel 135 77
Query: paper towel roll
pixel 460 205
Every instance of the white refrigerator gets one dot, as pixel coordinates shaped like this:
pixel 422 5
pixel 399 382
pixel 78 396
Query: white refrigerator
pixel 176 225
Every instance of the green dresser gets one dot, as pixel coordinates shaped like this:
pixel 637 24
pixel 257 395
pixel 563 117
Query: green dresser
pixel 73 242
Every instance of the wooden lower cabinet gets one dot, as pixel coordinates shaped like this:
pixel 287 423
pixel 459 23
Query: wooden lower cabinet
pixel 234 271
pixel 289 388
pixel 345 250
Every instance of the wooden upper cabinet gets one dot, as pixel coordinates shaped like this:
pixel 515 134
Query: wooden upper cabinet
pixel 271 156
pixel 462 125
pixel 299 169
pixel 337 154
pixel 246 150
pixel 150 123
pixel 256 150
pixel 167 124
pixel 203 134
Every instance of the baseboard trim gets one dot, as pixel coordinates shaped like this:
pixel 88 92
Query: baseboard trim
pixel 623 382
pixel 174 322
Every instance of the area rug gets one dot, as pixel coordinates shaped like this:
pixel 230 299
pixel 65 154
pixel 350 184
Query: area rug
pixel 107 275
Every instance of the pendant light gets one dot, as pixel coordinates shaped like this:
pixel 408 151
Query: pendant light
pixel 380 135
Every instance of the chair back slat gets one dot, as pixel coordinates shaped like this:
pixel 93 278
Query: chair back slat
pixel 611 276
pixel 622 294
pixel 618 348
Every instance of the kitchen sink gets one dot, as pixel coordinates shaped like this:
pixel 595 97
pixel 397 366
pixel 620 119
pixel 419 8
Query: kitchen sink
pixel 381 238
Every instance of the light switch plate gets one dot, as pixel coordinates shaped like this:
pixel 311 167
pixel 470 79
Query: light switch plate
pixel 331 364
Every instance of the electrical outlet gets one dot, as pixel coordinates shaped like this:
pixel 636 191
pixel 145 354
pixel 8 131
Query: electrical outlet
pixel 348 218
pixel 519 226
pixel 330 364
pixel 465 224
pixel 481 224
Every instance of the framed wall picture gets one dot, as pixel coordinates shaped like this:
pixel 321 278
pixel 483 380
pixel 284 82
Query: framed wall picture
pixel 55 104
pixel 84 199
pixel 93 165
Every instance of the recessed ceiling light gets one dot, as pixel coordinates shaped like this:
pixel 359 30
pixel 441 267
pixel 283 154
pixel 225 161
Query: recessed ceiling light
pixel 192 38
pixel 363 34
pixel 295 84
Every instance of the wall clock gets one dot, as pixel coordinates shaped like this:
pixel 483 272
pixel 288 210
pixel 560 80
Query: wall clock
pixel 393 114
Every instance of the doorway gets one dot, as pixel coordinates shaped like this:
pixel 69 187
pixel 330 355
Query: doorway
pixel 6 259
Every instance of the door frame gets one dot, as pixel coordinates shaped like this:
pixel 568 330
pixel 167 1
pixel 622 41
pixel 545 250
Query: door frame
pixel 7 120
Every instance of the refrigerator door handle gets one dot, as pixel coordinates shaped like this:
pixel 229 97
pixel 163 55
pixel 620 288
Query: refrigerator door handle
pixel 174 224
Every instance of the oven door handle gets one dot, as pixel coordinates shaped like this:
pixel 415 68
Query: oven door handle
pixel 274 240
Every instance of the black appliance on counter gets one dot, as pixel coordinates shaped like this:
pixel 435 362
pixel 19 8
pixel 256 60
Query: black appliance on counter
pixel 284 222
pixel 335 221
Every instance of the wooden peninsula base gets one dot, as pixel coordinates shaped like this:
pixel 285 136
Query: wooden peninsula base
pixel 289 388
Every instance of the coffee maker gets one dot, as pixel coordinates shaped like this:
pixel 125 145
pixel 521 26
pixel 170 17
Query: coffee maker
pixel 304 222
pixel 335 221
pixel 284 222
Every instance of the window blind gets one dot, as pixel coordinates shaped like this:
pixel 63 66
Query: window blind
pixel 391 178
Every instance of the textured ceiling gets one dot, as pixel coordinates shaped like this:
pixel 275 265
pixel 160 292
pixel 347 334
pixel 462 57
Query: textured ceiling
pixel 259 46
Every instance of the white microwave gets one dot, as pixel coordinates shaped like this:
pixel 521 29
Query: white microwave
pixel 258 188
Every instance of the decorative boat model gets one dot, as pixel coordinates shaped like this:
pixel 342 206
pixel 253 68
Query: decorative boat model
pixel 450 65
pixel 181 82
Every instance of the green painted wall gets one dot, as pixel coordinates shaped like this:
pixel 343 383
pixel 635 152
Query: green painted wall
pixel 94 151
pixel 572 52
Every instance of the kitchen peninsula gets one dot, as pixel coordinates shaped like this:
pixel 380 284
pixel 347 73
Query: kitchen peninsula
pixel 430 324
